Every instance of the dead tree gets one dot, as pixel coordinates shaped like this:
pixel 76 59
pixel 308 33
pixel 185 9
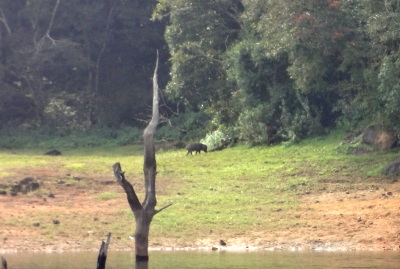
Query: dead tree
pixel 102 257
pixel 3 263
pixel 144 212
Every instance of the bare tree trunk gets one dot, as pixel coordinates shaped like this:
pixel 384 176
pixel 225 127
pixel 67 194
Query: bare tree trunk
pixel 3 263
pixel 102 258
pixel 144 212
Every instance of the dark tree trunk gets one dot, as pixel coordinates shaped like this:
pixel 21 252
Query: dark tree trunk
pixel 144 212
pixel 101 259
pixel 3 263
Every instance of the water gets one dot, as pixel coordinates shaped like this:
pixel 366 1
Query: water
pixel 214 260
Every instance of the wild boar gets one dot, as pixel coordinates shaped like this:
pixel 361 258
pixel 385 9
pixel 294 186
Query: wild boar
pixel 197 147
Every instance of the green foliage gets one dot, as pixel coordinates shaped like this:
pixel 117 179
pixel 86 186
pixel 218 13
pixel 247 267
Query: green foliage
pixel 213 139
pixel 371 97
pixel 252 126
pixel 90 67
pixel 188 126
pixel 285 67
pixel 301 66
pixel 389 89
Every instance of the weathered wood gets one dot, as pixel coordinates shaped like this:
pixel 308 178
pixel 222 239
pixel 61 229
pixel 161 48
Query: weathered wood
pixel 102 258
pixel 144 212
pixel 133 200
pixel 3 263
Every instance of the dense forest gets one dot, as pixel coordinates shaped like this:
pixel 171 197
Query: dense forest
pixel 262 71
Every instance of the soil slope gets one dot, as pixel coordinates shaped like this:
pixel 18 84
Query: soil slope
pixel 326 220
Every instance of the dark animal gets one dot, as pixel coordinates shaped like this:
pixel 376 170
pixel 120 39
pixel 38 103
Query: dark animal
pixel 197 147
pixel 53 152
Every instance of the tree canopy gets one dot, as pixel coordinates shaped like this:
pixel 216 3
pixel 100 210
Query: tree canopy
pixel 70 62
pixel 298 67
pixel 259 70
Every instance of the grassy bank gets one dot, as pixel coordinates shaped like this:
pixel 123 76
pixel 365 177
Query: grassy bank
pixel 224 194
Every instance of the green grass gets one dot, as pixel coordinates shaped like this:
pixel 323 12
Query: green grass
pixel 227 192
pixel 107 196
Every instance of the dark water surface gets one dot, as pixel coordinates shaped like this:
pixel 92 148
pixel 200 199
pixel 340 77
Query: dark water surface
pixel 203 260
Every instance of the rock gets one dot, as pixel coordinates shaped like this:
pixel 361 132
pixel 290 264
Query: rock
pixel 28 184
pixel 222 242
pixel 3 192
pixel 15 188
pixel 25 185
pixel 379 138
pixel 56 221
pixel 26 181
pixel 53 152
pixel 37 224
pixel 392 168
pixel 108 182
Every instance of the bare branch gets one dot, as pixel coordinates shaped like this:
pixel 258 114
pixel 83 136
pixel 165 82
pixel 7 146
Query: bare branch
pixel 133 200
pixel 165 207
pixel 41 43
pixel 53 15
pixel 103 47
pixel 3 19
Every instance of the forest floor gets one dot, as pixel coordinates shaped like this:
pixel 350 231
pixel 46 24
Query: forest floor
pixel 327 219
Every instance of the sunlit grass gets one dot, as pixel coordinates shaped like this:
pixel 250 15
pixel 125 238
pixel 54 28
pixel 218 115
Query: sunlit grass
pixel 107 196
pixel 231 191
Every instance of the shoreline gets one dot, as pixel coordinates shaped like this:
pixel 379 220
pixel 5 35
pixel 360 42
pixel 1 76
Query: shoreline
pixel 214 248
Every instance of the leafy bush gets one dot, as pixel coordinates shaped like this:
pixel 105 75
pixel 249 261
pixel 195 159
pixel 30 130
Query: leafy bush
pixel 213 139
pixel 189 126
pixel 252 126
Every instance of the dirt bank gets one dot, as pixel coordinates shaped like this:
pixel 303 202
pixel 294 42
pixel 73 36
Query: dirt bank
pixel 328 219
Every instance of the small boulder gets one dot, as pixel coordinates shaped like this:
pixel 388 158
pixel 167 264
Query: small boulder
pixel 26 181
pixel 28 184
pixel 25 185
pixel 392 169
pixel 379 138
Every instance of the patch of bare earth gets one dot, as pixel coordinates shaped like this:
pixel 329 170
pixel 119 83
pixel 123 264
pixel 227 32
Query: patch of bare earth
pixel 326 220
pixel 363 220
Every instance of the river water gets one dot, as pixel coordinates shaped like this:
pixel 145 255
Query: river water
pixel 205 260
